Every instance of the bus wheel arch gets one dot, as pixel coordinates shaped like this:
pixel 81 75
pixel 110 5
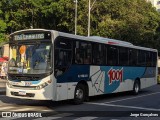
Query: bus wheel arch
pixel 136 86
pixel 81 92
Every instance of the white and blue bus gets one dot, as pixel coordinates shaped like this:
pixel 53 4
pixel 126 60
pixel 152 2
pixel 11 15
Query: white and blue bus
pixel 52 65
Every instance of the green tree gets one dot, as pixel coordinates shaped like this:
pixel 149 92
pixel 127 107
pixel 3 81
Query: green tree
pixel 135 21
pixel 3 27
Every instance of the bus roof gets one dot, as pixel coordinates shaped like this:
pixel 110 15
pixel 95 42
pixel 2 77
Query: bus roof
pixel 105 41
pixel 27 30
pixel 110 41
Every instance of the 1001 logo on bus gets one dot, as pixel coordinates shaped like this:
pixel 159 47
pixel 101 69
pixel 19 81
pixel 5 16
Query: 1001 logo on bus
pixel 115 75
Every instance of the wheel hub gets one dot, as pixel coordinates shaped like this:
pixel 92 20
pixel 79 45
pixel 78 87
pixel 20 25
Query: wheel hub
pixel 79 94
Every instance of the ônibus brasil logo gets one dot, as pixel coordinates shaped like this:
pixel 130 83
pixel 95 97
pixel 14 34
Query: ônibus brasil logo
pixel 115 75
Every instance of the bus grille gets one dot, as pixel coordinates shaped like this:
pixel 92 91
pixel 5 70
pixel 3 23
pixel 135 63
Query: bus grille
pixel 23 78
pixel 24 87
pixel 27 94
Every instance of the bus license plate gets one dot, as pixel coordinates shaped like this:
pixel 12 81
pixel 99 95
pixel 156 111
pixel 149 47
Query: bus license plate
pixel 28 83
pixel 22 93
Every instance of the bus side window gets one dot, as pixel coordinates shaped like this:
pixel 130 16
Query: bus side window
pixel 63 55
pixel 99 56
pixel 154 59
pixel 132 57
pixel 112 55
pixel 61 60
pixel 141 58
pixel 148 59
pixel 78 53
pixel 83 53
pixel 87 52
pixel 78 59
pixel 87 60
pixel 123 56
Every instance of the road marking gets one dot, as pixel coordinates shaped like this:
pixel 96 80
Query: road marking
pixel 123 106
pixel 57 116
pixel 48 118
pixel 132 97
pixel 86 118
pixel 26 108
pixel 30 109
pixel 8 118
pixel 46 110
pixel 6 107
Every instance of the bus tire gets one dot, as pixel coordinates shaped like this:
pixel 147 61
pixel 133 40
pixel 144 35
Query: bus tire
pixel 136 87
pixel 79 95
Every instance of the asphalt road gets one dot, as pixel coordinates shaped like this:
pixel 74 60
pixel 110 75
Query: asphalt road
pixel 118 106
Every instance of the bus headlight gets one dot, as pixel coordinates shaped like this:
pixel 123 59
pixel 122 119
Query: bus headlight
pixel 38 87
pixel 9 85
pixel 43 85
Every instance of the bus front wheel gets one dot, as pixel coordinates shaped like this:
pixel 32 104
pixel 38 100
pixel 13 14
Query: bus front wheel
pixel 79 94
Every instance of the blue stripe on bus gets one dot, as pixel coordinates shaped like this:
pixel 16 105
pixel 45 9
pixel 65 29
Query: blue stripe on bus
pixel 33 82
pixel 74 74
pixel 77 73
pixel 129 73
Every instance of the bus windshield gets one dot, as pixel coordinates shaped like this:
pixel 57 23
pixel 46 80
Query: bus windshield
pixel 30 59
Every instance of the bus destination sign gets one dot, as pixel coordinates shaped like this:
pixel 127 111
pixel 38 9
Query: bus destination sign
pixel 29 36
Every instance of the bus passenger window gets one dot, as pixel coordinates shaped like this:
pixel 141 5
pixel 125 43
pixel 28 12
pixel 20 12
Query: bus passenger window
pixel 99 56
pixel 112 55
pixel 87 60
pixel 61 61
pixel 141 58
pixel 63 55
pixel 154 59
pixel 132 57
pixel 78 60
pixel 83 53
pixel 148 59
pixel 87 52
pixel 123 56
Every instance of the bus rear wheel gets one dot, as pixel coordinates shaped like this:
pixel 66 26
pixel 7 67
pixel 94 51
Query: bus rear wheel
pixel 136 87
pixel 79 94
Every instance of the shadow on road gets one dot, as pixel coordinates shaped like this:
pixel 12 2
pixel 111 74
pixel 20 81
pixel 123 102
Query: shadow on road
pixel 55 104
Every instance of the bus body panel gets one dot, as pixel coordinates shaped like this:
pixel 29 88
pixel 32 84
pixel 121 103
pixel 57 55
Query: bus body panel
pixel 65 91
pixel 108 79
pixel 38 94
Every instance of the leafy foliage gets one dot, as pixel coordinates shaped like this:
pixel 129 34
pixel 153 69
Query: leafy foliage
pixel 135 21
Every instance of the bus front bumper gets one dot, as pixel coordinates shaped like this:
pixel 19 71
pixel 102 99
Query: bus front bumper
pixel 42 94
